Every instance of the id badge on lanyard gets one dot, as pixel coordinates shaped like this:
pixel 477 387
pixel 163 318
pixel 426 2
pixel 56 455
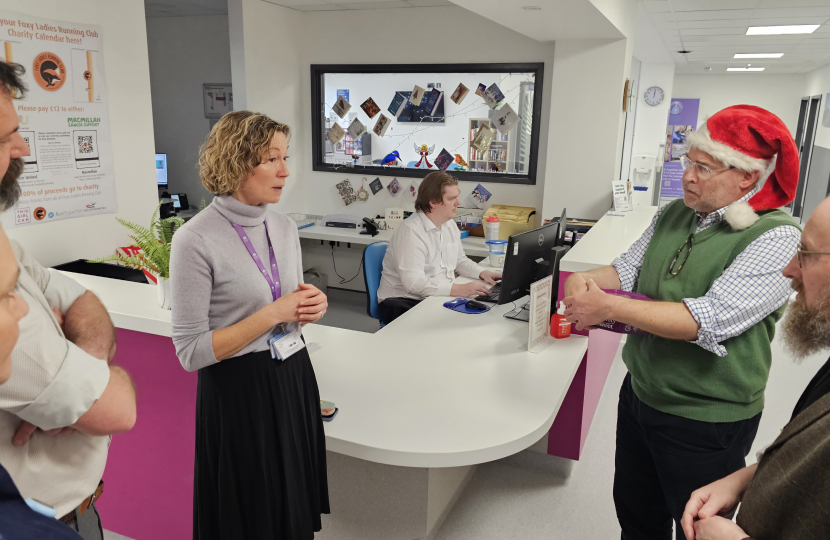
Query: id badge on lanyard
pixel 285 344
pixel 282 344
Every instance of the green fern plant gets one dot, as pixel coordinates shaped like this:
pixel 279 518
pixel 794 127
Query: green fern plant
pixel 155 244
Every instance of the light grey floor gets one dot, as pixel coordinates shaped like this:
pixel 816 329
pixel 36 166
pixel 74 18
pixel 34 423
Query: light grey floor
pixel 531 495
pixel 347 309
pixel 526 496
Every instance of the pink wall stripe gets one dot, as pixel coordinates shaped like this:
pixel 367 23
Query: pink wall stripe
pixel 149 475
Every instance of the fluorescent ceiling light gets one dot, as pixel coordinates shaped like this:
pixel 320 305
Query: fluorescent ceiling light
pixel 745 69
pixel 759 55
pixel 791 29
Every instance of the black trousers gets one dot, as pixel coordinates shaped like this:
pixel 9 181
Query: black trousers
pixel 392 308
pixel 662 458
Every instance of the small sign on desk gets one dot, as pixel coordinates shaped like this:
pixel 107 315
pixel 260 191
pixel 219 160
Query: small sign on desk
pixel 539 324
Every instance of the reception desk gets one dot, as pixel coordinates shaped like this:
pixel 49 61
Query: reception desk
pixel 422 402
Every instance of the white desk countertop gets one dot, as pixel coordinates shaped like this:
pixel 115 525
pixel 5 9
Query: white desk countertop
pixel 610 237
pixel 435 388
pixel 474 246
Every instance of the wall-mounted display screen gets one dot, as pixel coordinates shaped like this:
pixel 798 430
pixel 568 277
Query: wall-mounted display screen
pixel 479 122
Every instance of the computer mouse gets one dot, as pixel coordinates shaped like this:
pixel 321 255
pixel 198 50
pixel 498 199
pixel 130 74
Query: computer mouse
pixel 472 304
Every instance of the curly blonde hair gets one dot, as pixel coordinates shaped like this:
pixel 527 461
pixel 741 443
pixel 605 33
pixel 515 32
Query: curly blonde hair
pixel 234 148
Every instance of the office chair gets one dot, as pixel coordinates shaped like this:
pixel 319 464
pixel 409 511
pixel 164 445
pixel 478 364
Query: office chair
pixel 372 269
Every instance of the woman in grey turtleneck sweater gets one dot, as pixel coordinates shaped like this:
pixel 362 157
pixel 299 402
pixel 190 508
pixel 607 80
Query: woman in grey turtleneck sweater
pixel 260 446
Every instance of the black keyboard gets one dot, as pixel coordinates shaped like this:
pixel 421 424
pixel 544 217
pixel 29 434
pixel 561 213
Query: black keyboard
pixel 493 296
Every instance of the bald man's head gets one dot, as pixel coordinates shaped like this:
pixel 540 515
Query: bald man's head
pixel 807 322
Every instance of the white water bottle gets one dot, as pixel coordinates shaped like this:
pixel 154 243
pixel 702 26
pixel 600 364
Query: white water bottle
pixel 491 228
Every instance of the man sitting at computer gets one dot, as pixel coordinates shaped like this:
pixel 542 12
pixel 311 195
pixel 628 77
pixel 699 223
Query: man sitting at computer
pixel 425 253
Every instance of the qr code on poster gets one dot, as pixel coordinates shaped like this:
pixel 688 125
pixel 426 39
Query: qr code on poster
pixel 26 140
pixel 85 144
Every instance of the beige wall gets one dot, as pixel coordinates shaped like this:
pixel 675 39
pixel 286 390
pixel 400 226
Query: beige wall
pixel 779 94
pixel 131 123
pixel 581 108
pixel 185 52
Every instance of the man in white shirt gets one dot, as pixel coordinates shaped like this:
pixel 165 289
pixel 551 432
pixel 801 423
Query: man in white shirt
pixel 64 398
pixel 425 253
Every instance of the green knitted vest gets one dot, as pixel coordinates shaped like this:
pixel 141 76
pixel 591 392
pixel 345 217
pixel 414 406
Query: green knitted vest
pixel 679 377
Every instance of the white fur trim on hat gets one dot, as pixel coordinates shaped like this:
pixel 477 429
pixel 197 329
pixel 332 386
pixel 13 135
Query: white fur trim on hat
pixel 740 216
pixel 702 140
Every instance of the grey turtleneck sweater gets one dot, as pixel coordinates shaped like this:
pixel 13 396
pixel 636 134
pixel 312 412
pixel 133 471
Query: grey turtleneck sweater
pixel 215 281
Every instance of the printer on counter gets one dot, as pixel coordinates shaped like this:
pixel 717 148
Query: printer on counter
pixel 343 221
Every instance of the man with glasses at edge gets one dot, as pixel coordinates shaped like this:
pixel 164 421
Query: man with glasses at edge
pixel 690 405
pixel 784 496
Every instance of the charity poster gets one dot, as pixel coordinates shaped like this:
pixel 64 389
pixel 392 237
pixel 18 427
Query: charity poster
pixel 63 118
pixel 682 121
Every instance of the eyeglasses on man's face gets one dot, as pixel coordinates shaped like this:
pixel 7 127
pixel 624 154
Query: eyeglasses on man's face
pixel 801 253
pixel 703 172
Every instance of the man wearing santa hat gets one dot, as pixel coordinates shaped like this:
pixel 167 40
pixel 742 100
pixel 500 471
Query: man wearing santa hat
pixel 690 405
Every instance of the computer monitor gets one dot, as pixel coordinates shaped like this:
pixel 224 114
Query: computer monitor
pixel 161 170
pixel 531 256
pixel 563 225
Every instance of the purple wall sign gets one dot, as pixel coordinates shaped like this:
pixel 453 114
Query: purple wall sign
pixel 682 121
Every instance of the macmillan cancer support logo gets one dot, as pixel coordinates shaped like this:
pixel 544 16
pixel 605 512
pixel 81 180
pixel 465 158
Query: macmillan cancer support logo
pixel 49 71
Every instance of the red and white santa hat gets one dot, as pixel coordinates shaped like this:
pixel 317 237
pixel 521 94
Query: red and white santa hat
pixel 750 138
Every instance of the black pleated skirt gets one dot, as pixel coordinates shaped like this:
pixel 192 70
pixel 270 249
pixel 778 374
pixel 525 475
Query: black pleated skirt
pixel 260 450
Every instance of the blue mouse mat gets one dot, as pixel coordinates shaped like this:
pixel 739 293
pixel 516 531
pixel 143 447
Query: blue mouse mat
pixel 460 305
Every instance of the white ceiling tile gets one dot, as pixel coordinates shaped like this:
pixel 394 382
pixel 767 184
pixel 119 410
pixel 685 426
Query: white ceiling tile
pixel 786 10
pixel 375 5
pixel 661 17
pixel 714 15
pixel 705 5
pixel 772 40
pixel 727 23
pixel 709 39
pixel 320 7
pixel 787 21
pixel 295 3
pixel 656 6
pixel 713 32
pixel 429 3
pixel 793 3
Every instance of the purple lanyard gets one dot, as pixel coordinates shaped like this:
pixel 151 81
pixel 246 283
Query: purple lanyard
pixel 276 289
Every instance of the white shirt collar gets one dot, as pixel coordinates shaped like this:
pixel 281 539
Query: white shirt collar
pixel 428 224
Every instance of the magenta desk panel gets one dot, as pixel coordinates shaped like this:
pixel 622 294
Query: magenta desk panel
pixel 149 475
pixel 570 428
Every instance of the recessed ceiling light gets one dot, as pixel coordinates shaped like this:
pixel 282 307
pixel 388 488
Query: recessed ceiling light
pixel 746 69
pixel 791 29
pixel 759 55
pixel 531 8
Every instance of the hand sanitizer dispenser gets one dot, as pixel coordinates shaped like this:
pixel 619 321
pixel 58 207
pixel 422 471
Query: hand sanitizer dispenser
pixel 642 179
